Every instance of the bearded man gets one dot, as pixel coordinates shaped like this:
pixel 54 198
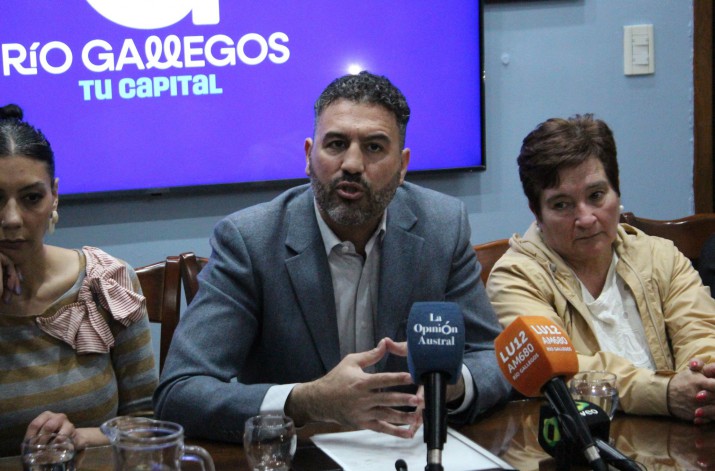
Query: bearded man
pixel 303 306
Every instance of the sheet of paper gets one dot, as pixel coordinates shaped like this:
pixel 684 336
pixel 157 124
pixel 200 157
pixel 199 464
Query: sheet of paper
pixel 365 450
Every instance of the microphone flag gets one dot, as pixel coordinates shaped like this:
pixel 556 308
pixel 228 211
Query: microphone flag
pixel 531 351
pixel 435 340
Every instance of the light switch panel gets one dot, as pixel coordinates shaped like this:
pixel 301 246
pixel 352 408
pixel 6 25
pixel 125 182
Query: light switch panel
pixel 638 50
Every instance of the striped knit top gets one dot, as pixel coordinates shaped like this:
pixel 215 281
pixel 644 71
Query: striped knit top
pixel 88 355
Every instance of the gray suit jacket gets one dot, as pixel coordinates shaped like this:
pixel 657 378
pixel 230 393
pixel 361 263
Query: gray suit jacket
pixel 265 311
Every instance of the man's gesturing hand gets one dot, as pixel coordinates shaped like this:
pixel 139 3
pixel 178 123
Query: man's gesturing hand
pixel 350 396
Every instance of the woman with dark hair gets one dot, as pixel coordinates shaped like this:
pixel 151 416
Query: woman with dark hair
pixel 75 346
pixel 631 303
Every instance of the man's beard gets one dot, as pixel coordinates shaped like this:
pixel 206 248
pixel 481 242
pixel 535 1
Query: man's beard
pixel 353 213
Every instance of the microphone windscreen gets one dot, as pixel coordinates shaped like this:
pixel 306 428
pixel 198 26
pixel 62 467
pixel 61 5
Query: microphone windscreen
pixel 531 351
pixel 556 442
pixel 435 340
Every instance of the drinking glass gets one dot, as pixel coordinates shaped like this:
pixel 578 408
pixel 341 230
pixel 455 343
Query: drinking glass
pixel 48 452
pixel 597 387
pixel 269 442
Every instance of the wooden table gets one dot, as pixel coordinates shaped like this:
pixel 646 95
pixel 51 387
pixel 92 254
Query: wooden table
pixel 510 433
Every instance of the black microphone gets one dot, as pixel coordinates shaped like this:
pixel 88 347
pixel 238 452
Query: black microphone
pixel 535 355
pixel 400 465
pixel 615 458
pixel 435 348
pixel 557 444
pixel 562 447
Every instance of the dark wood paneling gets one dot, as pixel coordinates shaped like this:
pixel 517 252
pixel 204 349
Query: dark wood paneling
pixel 703 105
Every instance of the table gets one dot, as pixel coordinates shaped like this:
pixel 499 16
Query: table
pixel 509 432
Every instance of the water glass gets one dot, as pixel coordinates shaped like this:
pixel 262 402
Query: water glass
pixel 48 452
pixel 597 387
pixel 270 442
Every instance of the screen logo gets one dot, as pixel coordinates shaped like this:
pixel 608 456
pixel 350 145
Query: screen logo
pixel 154 14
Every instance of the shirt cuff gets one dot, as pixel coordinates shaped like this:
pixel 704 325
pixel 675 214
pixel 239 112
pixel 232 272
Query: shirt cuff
pixel 275 399
pixel 468 391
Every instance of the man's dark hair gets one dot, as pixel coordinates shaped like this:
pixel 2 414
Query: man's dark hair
pixel 367 88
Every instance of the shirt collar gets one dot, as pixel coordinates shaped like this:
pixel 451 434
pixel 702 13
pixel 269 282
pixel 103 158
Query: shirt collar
pixel 330 240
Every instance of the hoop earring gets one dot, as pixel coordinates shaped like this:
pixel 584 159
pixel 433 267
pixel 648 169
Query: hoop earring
pixel 54 218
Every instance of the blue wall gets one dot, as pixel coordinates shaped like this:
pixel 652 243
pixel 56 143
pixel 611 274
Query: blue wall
pixel 564 57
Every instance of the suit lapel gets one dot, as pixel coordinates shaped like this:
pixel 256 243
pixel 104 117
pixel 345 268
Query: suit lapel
pixel 310 278
pixel 399 269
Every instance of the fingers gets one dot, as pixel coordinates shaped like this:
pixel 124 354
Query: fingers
pixel 350 396
pixel 704 415
pixel 392 422
pixel 11 279
pixel 50 422
pixel 691 395
pixel 378 381
pixel 370 357
pixel 387 428
pixel 396 399
pixel 396 348
pixel 418 411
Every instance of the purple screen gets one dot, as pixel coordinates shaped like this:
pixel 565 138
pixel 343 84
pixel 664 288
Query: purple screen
pixel 147 94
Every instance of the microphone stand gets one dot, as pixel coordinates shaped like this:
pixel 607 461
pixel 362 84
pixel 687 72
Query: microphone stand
pixel 572 424
pixel 435 419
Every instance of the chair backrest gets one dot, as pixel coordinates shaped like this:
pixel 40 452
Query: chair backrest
pixel 688 233
pixel 191 265
pixel 488 254
pixel 161 285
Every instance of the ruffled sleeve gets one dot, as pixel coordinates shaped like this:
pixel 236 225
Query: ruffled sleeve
pixel 107 283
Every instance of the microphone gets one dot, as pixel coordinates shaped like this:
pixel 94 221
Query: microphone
pixel 435 347
pixel 556 444
pixel 615 458
pixel 562 448
pixel 535 355
pixel 400 465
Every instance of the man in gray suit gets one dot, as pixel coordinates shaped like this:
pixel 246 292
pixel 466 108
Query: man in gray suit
pixel 302 308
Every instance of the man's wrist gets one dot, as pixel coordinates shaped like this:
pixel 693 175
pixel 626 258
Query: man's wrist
pixel 455 394
pixel 297 406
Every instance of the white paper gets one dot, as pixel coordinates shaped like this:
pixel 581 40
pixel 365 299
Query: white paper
pixel 365 450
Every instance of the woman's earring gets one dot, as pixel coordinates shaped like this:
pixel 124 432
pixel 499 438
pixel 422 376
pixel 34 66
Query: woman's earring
pixel 54 217
pixel 620 208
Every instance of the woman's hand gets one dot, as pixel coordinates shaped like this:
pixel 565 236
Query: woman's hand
pixel 11 278
pixel 51 422
pixel 691 393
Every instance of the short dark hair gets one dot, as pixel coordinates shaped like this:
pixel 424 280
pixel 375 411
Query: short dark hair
pixel 18 137
pixel 560 143
pixel 367 88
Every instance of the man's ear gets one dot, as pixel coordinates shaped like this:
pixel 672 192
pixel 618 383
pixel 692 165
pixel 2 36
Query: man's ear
pixel 308 147
pixel 405 160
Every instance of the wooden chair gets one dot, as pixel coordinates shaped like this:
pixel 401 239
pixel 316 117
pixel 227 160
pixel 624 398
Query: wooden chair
pixel 191 265
pixel 688 233
pixel 161 285
pixel 488 254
